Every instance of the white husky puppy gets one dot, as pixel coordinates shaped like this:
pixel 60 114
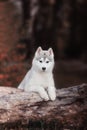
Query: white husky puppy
pixel 39 78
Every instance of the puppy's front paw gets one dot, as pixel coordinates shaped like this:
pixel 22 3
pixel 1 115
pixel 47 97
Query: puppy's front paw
pixel 53 97
pixel 46 98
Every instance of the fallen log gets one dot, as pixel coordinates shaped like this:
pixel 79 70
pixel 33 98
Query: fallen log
pixel 21 110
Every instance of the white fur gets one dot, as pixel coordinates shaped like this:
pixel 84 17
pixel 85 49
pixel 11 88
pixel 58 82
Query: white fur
pixel 39 80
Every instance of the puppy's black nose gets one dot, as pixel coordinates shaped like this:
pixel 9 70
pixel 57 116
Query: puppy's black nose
pixel 44 68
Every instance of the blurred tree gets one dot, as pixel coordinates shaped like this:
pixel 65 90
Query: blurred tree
pixel 77 45
pixel 7 25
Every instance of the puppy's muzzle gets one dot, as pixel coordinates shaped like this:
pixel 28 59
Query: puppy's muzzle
pixel 43 68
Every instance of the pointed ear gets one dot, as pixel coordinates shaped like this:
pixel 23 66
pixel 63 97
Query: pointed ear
pixel 50 50
pixel 39 49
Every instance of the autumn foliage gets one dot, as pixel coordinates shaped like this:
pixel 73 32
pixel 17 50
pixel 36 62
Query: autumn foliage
pixel 12 68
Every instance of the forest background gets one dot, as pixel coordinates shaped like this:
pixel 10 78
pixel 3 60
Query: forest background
pixel 27 24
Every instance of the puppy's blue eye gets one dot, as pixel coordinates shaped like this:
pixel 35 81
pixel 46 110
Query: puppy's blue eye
pixel 40 61
pixel 47 61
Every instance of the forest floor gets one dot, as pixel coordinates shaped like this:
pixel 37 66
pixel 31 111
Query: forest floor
pixel 13 67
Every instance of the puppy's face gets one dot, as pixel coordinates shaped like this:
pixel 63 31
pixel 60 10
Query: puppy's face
pixel 43 60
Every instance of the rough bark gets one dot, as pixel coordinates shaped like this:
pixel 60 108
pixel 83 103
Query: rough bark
pixel 21 110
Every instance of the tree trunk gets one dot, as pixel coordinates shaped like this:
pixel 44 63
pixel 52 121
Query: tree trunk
pixel 20 110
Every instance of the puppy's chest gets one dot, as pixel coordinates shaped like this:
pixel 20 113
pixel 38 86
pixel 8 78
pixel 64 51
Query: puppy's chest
pixel 43 80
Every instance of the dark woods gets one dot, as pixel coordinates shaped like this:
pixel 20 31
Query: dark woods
pixel 61 24
pixel 27 24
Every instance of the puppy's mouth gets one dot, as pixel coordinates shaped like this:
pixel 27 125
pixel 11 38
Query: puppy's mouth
pixel 43 70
